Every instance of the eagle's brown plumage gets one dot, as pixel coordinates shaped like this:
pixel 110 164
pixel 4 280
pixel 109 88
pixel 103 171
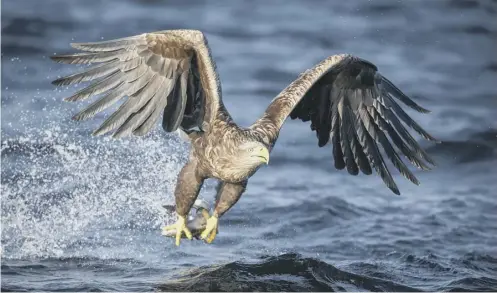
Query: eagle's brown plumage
pixel 171 72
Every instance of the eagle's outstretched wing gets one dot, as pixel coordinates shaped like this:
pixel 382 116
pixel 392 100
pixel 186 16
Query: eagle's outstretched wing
pixel 168 71
pixel 348 101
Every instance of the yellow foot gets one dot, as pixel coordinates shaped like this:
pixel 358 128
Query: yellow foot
pixel 210 231
pixel 180 227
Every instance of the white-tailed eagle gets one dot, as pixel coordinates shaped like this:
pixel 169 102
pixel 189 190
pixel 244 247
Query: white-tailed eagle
pixel 348 102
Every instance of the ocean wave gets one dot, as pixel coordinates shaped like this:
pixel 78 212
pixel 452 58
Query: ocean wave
pixel 475 284
pixel 287 272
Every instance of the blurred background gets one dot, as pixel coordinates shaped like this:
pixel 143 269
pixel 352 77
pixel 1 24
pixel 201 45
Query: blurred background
pixel 82 213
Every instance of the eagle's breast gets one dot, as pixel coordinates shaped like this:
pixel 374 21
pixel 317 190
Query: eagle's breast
pixel 218 155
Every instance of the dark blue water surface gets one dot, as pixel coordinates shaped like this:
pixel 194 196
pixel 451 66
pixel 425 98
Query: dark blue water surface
pixel 84 213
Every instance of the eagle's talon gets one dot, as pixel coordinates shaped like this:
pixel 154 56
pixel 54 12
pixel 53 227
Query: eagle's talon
pixel 211 237
pixel 180 227
pixel 210 231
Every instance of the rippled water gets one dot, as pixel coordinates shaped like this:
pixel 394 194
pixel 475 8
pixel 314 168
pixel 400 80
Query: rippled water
pixel 83 213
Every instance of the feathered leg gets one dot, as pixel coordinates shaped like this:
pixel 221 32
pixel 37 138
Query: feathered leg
pixel 187 189
pixel 227 195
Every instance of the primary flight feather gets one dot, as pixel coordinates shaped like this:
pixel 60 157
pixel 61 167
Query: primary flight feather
pixel 348 102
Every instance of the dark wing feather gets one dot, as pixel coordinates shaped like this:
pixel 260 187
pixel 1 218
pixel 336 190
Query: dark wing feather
pixel 194 109
pixel 379 136
pixel 157 72
pixel 335 132
pixel 371 150
pixel 360 113
pixel 323 117
pixel 173 115
pixel 346 138
pixel 359 154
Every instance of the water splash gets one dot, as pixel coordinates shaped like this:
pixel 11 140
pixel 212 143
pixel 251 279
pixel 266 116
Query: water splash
pixel 60 190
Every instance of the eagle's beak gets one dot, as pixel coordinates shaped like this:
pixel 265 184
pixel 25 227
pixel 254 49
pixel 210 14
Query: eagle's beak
pixel 263 154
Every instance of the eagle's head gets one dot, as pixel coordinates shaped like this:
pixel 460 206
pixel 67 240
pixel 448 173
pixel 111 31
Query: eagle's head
pixel 239 163
pixel 253 153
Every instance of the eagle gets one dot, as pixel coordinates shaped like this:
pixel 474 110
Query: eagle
pixel 349 103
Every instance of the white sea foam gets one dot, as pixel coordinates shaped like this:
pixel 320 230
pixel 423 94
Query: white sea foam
pixel 61 188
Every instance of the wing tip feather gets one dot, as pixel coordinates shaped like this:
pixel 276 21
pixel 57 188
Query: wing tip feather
pixel 394 190
pixel 58 82
pixel 424 110
pixel 60 58
pixel 73 98
pixel 98 132
pixel 119 134
pixel 428 136
pixel 83 46
pixel 77 45
pixel 418 108
pixel 80 116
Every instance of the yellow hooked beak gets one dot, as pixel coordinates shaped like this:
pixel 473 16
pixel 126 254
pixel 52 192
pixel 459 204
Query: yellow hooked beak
pixel 263 154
